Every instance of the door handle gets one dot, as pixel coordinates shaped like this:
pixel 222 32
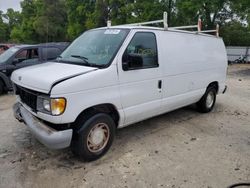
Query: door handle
pixel 159 84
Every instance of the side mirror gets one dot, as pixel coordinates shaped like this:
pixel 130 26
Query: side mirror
pixel 15 61
pixel 132 61
pixel 125 65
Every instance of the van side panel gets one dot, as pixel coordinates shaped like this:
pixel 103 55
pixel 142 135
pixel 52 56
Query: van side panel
pixel 190 62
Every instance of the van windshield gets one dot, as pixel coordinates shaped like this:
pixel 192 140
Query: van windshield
pixel 95 47
pixel 7 54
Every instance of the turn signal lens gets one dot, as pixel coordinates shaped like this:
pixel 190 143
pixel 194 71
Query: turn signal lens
pixel 58 106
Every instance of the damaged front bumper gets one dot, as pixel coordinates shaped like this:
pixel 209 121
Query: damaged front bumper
pixel 46 135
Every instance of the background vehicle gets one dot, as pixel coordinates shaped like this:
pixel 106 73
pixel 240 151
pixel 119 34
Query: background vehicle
pixel 26 55
pixel 238 54
pixel 113 77
pixel 240 60
pixel 4 47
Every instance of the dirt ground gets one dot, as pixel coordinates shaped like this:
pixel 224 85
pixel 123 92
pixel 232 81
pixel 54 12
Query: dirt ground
pixel 179 149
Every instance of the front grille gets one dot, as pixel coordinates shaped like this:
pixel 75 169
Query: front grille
pixel 27 96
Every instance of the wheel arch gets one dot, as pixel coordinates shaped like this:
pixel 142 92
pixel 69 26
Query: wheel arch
pixel 107 108
pixel 214 84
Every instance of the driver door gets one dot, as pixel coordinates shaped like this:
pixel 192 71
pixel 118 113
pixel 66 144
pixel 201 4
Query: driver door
pixel 140 77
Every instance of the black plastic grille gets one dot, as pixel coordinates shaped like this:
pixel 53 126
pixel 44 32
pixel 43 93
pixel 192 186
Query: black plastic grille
pixel 27 96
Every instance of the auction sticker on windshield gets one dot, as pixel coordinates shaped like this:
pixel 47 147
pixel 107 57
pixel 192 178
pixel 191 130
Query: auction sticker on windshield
pixel 112 32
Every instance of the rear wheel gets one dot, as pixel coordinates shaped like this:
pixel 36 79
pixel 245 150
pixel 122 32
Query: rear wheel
pixel 207 102
pixel 1 87
pixel 94 137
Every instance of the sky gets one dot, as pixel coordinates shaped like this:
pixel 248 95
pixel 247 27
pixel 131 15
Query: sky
pixel 5 4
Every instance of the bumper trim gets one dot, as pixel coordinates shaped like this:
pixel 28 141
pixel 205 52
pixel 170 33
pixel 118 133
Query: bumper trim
pixel 46 135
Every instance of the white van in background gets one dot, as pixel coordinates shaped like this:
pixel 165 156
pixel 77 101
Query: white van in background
pixel 112 77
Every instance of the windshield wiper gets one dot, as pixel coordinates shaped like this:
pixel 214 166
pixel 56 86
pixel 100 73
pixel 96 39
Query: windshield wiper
pixel 86 62
pixel 80 57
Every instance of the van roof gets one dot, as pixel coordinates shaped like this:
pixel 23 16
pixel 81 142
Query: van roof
pixel 157 28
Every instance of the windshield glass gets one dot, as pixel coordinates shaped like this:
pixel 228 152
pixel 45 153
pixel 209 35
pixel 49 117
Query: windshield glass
pixel 7 54
pixel 95 47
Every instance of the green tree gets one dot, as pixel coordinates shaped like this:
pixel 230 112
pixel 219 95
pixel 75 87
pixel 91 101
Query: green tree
pixel 50 20
pixel 25 32
pixel 13 18
pixel 78 12
pixel 3 29
pixel 242 9
pixel 129 11
pixel 147 10
pixel 236 34
pixel 210 11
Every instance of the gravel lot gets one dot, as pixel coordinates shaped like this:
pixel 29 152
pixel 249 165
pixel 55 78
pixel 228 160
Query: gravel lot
pixel 180 149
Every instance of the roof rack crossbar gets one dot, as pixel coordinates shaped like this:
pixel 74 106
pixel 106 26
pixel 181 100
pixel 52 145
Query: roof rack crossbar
pixel 184 27
pixel 165 25
pixel 145 23
pixel 208 31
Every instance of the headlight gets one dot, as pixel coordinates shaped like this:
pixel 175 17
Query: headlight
pixel 46 105
pixel 54 106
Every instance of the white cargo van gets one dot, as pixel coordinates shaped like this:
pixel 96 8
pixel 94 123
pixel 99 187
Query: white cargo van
pixel 112 77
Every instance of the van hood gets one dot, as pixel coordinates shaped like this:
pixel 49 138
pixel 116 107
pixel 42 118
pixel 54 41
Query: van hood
pixel 44 76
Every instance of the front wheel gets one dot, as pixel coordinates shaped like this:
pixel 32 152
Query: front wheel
pixel 94 137
pixel 207 102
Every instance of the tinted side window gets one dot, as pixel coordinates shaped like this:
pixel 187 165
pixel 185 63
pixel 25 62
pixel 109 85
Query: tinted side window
pixel 27 54
pixel 50 53
pixel 34 54
pixel 22 55
pixel 141 52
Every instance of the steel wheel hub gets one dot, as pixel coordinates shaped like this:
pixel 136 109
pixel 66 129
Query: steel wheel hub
pixel 98 137
pixel 210 99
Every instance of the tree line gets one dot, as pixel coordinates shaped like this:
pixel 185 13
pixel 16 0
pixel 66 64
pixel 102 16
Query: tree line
pixel 63 20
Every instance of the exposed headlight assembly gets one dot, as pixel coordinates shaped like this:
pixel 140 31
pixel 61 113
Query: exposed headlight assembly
pixel 53 106
pixel 46 105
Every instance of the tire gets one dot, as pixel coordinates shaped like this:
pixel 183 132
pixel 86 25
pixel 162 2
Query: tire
pixel 86 142
pixel 1 87
pixel 207 102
